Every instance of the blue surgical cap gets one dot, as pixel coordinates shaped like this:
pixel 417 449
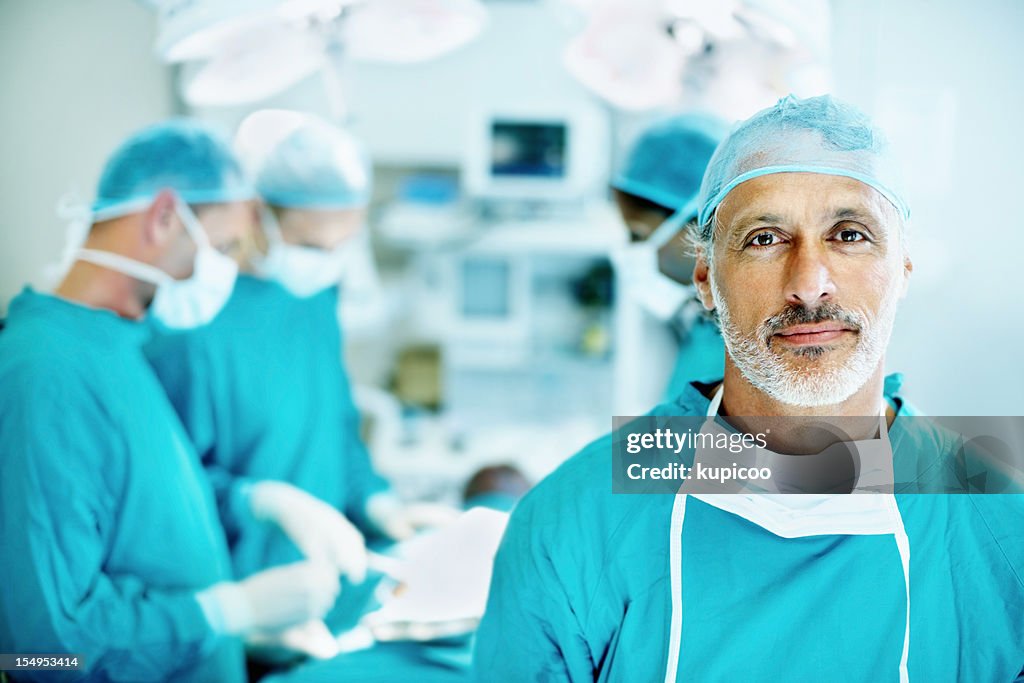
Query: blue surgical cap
pixel 814 135
pixel 301 161
pixel 667 161
pixel 181 155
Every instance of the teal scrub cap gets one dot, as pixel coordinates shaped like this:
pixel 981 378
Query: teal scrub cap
pixel 813 135
pixel 667 161
pixel 301 161
pixel 183 155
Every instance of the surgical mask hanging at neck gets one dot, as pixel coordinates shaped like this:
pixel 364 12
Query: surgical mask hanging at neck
pixel 793 516
pixel 642 280
pixel 179 304
pixel 303 271
pixel 839 464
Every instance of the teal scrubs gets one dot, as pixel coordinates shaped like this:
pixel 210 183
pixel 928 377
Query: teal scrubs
pixel 581 589
pixel 107 525
pixel 264 395
pixel 398 662
pixel 701 356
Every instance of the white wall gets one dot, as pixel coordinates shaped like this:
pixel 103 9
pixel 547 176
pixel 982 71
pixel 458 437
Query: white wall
pixel 76 77
pixel 943 77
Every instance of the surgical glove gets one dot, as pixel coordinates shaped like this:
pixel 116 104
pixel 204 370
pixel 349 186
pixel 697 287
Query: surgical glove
pixel 400 521
pixel 316 528
pixel 273 599
pixel 311 638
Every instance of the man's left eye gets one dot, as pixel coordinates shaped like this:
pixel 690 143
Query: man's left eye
pixel 851 236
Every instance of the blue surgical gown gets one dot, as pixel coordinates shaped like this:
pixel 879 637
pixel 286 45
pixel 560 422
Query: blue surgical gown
pixel 701 356
pixel 108 526
pixel 581 586
pixel 264 395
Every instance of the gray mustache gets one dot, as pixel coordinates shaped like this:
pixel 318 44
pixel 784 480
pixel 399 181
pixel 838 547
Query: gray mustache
pixel 801 315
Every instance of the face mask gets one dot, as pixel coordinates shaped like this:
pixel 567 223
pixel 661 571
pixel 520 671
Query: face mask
pixel 642 281
pixel 863 466
pixel 180 304
pixel 303 271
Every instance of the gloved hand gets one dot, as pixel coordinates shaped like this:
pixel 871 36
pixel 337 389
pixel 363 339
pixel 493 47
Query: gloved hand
pixel 400 521
pixel 311 638
pixel 320 531
pixel 273 599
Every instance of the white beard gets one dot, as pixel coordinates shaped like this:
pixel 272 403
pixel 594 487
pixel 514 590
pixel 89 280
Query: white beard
pixel 827 383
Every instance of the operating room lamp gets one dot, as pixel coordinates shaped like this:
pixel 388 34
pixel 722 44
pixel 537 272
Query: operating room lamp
pixel 248 50
pixel 646 54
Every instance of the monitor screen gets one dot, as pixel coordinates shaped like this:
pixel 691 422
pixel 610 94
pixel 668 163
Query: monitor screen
pixel 534 150
pixel 486 288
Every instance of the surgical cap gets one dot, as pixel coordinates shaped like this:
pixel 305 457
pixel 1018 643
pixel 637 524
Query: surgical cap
pixel 814 135
pixel 667 161
pixel 300 161
pixel 181 155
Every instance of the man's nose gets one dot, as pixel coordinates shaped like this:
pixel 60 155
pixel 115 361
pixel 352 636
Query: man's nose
pixel 809 281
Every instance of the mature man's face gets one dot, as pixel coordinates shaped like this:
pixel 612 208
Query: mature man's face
pixel 806 273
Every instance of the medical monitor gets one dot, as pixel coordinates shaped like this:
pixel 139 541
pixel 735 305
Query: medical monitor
pixel 560 155
pixel 530 149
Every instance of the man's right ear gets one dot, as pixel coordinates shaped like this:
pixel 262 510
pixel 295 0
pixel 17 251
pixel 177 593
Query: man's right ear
pixel 702 280
pixel 160 222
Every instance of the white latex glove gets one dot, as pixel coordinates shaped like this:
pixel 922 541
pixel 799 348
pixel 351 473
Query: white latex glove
pixel 273 599
pixel 400 521
pixel 318 529
pixel 312 638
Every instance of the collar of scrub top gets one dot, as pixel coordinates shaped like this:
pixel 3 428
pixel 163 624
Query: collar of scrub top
pixel 101 324
pixel 845 521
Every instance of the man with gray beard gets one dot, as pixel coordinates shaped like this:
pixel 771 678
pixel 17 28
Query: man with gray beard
pixel 801 253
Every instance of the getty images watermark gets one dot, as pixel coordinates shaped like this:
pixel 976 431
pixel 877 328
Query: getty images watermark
pixel 950 455
pixel 664 439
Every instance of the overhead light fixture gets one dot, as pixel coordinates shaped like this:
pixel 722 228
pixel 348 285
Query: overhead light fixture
pixel 648 54
pixel 197 29
pixel 627 55
pixel 403 31
pixel 253 49
pixel 265 61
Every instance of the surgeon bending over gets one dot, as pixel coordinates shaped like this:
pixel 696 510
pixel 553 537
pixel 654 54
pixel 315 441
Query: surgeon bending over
pixel 109 535
pixel 262 390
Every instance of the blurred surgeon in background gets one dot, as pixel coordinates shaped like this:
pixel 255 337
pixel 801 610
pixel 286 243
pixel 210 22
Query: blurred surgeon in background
pixel 111 543
pixel 656 191
pixel 262 390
